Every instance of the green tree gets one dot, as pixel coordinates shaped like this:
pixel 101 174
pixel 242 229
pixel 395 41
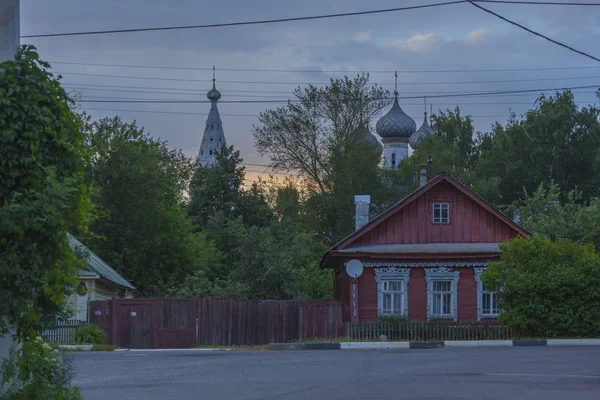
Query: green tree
pixel 138 185
pixel 42 193
pixel 218 189
pixel 549 288
pixel 543 213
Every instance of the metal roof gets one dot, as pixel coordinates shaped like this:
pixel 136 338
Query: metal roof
pixel 95 263
pixel 396 123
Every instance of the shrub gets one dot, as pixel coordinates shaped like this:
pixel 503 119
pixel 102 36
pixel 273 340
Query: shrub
pixel 549 288
pixel 90 334
pixel 392 318
pixel 37 372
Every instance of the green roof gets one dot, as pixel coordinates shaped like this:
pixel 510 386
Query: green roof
pixel 95 263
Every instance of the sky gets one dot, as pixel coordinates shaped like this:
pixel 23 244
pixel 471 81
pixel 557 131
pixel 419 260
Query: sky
pixel 416 42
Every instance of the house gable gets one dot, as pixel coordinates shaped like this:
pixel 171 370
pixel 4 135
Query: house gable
pixel 472 220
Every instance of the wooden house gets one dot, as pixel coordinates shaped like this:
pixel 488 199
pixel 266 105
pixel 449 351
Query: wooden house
pixel 423 257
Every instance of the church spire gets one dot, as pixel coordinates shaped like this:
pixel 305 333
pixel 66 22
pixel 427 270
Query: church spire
pixel 214 137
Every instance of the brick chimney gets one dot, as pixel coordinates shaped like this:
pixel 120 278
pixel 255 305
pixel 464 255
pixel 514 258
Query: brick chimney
pixel 423 175
pixel 361 216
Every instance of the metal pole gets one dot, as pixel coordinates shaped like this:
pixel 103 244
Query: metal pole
pixel 10 31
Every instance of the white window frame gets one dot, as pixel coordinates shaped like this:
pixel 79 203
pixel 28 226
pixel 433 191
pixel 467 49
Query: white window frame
pixel 480 293
pixel 441 207
pixel 392 274
pixel 442 274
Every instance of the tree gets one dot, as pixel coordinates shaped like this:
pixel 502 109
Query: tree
pixel 218 189
pixel 554 142
pixel 308 135
pixel 543 213
pixel 549 288
pixel 139 185
pixel 42 193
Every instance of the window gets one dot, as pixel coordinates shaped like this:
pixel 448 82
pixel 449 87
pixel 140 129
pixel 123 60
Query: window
pixel 489 302
pixel 442 293
pixel 392 297
pixel 210 152
pixel 393 160
pixel 442 298
pixel 392 286
pixel 441 213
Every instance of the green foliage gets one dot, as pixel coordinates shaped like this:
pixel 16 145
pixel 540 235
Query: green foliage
pixel 42 192
pixel 391 319
pixel 89 334
pixel 37 372
pixel 549 288
pixel 138 187
pixel 575 219
pixel 103 347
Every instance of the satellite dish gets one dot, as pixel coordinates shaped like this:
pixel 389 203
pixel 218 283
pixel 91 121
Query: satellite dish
pixel 354 268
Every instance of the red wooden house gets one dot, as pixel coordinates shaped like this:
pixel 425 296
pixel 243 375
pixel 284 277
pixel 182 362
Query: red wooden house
pixel 423 257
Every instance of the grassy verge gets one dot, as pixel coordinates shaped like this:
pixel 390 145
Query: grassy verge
pixel 237 348
pixel 103 347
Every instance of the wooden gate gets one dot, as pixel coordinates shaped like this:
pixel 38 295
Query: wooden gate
pixel 147 323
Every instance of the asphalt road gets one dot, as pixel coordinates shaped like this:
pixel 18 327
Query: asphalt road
pixel 532 373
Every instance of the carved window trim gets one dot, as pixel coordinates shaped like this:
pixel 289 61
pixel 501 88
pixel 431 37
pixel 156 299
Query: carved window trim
pixel 480 315
pixel 392 274
pixel 442 274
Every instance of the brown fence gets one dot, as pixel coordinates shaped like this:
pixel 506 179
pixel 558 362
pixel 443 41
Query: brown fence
pixel 426 331
pixel 184 323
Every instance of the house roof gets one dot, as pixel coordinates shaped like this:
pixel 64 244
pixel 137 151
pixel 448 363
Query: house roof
pixel 95 264
pixel 442 177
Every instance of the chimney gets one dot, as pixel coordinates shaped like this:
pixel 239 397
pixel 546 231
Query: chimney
pixel 423 176
pixel 361 216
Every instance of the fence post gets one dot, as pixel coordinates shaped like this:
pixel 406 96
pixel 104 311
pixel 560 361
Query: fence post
pixel 300 320
pixel 113 322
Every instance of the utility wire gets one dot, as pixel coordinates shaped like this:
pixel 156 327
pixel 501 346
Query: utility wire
pixel 534 32
pixel 321 71
pixel 383 83
pixel 241 23
pixel 537 3
pixel 467 94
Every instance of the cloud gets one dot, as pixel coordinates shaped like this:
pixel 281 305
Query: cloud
pixel 477 35
pixel 364 36
pixel 421 43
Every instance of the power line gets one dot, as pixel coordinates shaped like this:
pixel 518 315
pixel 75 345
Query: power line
pixel 203 92
pixel 242 23
pixel 534 32
pixel 325 83
pixel 441 95
pixel 322 71
pixel 537 3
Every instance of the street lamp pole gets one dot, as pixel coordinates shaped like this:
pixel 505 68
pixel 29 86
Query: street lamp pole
pixel 10 31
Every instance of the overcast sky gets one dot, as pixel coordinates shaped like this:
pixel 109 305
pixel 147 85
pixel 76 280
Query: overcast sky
pixel 444 38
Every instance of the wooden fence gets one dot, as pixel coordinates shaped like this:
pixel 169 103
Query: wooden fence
pixel 208 321
pixel 426 331
pixel 61 331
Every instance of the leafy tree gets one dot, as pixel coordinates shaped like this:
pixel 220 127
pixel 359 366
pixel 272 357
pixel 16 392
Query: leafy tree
pixel 218 189
pixel 42 193
pixel 138 186
pixel 549 288
pixel 308 136
pixel 554 142
pixel 543 213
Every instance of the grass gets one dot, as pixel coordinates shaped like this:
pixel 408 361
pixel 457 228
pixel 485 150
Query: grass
pixel 95 347
pixel 237 347
pixel 103 347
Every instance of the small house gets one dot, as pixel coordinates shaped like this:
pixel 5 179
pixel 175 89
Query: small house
pixel 423 257
pixel 96 281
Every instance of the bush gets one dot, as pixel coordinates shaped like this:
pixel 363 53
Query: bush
pixel 549 288
pixel 37 372
pixel 89 334
pixel 392 318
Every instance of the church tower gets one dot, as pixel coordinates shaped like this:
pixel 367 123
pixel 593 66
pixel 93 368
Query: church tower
pixel 395 129
pixel 214 138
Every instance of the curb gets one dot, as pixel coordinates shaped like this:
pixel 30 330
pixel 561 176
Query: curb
pixel 182 350
pixel 433 345
pixel 75 347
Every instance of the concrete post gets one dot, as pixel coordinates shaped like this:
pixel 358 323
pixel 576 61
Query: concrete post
pixel 10 31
